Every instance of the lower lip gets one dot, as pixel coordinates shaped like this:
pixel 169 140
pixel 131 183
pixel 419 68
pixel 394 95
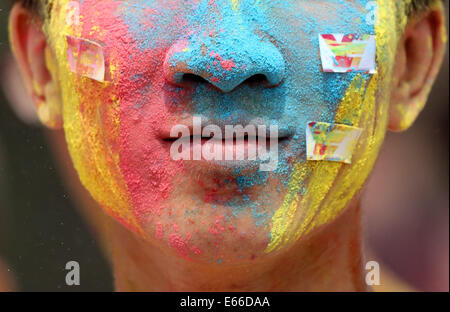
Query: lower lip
pixel 243 146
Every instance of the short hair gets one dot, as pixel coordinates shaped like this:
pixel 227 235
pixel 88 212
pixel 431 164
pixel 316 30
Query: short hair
pixel 34 5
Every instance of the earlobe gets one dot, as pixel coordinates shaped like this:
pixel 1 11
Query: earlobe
pixel 419 57
pixel 36 64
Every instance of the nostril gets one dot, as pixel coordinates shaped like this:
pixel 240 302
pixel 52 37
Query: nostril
pixel 230 62
pixel 193 79
pixel 255 80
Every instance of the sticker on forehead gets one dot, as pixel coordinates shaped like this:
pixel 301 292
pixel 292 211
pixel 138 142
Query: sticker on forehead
pixel 86 58
pixel 331 142
pixel 343 53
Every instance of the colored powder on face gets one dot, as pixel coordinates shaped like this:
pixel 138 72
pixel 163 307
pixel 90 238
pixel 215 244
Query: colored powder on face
pixel 331 186
pixel 159 231
pixel 179 244
pixel 111 128
pixel 96 161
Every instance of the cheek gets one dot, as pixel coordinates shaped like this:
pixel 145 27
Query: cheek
pixel 146 104
pixel 319 191
pixel 109 126
pixel 144 161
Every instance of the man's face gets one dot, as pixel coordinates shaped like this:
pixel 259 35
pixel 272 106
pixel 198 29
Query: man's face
pixel 118 131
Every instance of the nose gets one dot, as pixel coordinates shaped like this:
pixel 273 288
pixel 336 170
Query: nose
pixel 225 61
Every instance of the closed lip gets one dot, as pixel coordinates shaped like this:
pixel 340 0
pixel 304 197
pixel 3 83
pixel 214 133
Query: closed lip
pixel 227 141
pixel 282 134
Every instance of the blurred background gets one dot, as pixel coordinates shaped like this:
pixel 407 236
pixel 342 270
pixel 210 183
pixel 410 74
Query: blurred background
pixel 406 203
pixel 41 227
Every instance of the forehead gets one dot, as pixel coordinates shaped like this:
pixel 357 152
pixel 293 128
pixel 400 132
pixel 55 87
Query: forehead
pixel 145 19
pixel 321 8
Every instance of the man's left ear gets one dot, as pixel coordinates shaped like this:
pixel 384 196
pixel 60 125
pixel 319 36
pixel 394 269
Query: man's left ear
pixel 419 57
pixel 37 64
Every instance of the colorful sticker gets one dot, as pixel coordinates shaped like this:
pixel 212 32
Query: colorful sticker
pixel 342 53
pixel 332 142
pixel 86 58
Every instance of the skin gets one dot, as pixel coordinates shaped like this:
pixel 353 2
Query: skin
pixel 7 282
pixel 197 225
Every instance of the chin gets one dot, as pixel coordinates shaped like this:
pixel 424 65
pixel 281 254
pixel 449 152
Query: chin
pixel 214 244
pixel 212 219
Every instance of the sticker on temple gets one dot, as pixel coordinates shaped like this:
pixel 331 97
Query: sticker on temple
pixel 343 53
pixel 86 58
pixel 331 142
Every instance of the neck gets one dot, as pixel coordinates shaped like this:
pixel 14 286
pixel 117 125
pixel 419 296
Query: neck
pixel 330 259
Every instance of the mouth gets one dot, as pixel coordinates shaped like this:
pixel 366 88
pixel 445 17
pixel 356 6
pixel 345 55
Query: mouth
pixel 225 145
pixel 228 141
pixel 227 134
pixel 231 150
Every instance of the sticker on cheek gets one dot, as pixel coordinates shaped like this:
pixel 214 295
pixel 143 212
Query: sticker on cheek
pixel 86 58
pixel 331 142
pixel 343 53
